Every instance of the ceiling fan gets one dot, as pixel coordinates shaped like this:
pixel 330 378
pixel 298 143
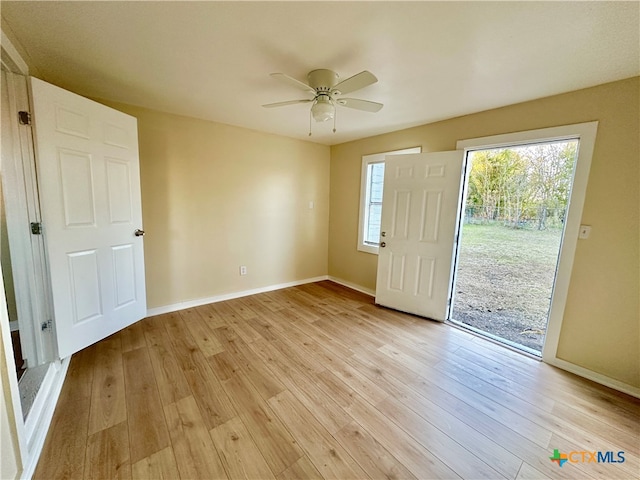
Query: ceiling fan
pixel 327 92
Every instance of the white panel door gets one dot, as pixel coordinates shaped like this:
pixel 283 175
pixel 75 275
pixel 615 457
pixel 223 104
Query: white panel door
pixel 89 180
pixel 419 213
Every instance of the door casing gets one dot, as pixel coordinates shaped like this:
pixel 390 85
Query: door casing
pixel 586 134
pixel 29 435
pixel 22 207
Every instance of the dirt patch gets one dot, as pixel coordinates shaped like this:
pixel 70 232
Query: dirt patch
pixel 504 281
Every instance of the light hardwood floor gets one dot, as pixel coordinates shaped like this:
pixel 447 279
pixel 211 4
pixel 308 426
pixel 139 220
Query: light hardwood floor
pixel 317 382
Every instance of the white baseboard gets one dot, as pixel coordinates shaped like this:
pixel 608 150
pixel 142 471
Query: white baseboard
pixel 229 296
pixel 41 414
pixel 353 286
pixel 595 377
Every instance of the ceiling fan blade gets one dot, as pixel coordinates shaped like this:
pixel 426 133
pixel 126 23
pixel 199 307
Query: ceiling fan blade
pixel 358 104
pixel 289 102
pixel 293 82
pixel 358 81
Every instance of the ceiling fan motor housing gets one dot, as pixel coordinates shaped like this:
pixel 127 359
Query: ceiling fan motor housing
pixel 322 79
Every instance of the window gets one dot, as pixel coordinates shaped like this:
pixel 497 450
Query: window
pixel 373 205
pixel 371 188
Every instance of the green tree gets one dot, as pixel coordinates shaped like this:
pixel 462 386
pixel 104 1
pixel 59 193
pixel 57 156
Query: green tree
pixel 522 183
pixel 496 184
pixel 550 170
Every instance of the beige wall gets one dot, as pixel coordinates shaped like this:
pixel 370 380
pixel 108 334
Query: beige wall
pixel 26 58
pixel 601 327
pixel 215 197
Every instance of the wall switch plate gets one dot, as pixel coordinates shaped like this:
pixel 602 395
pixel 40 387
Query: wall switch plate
pixel 243 270
pixel 585 231
pixel 311 205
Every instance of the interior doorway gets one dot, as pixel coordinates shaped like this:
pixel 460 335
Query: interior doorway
pixel 515 206
pixel 27 258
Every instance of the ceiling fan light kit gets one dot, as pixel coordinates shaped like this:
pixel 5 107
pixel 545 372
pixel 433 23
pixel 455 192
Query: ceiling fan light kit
pixel 327 91
pixel 323 109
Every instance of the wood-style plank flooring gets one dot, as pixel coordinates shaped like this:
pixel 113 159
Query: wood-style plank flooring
pixel 317 382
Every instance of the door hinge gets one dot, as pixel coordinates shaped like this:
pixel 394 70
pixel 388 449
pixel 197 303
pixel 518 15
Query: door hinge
pixel 36 228
pixel 44 326
pixel 24 118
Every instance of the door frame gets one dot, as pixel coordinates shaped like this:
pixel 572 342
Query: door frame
pixel 586 134
pixel 28 261
pixel 29 435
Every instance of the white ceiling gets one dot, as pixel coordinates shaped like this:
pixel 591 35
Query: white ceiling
pixel 434 60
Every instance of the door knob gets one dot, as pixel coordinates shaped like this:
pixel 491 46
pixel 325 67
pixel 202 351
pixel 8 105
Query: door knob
pixel 383 244
pixel 138 233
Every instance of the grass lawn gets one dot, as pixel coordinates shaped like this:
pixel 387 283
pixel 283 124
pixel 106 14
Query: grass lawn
pixel 504 281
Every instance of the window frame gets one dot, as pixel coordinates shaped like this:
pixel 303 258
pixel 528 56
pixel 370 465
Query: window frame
pixel 365 195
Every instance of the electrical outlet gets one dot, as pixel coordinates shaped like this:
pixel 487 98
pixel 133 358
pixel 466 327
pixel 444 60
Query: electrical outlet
pixel 243 270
